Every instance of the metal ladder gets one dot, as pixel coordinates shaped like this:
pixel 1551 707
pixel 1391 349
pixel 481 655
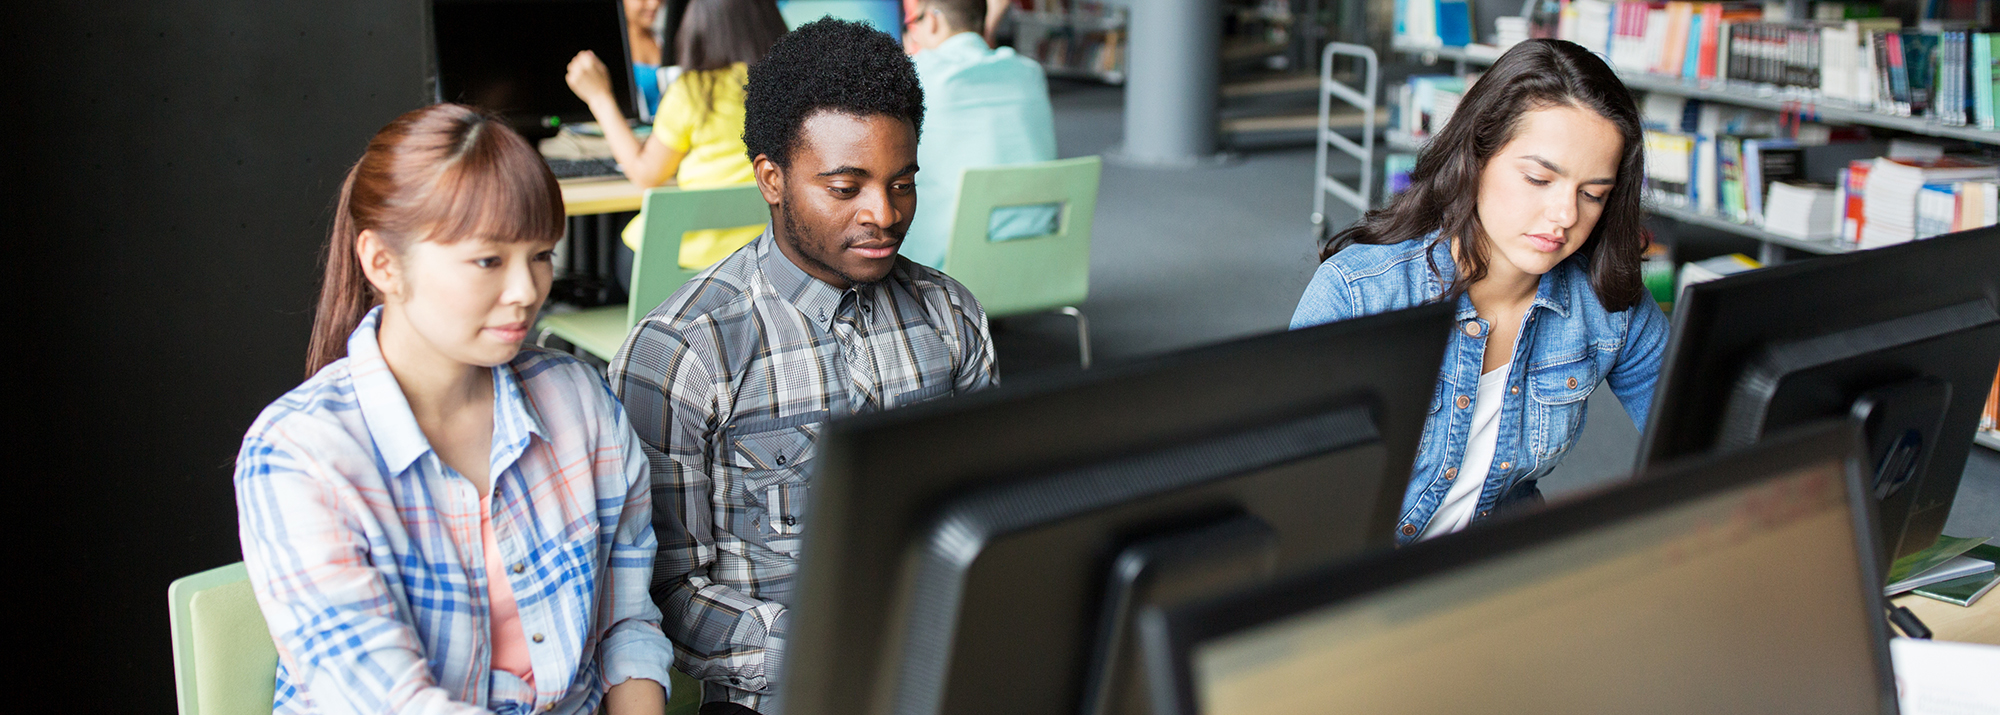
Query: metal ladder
pixel 1329 89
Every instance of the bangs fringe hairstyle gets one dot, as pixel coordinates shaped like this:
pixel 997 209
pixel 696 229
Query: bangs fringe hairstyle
pixel 443 173
pixel 1443 197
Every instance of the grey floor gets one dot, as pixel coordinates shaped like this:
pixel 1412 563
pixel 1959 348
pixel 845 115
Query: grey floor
pixel 1186 258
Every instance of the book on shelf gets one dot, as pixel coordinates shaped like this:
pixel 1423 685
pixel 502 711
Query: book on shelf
pixel 1434 23
pixel 1803 210
pixel 1713 268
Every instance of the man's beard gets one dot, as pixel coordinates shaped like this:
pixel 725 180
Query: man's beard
pixel 804 242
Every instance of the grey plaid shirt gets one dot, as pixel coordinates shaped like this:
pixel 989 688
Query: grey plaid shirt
pixel 728 384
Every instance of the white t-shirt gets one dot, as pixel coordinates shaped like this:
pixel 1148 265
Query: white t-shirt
pixel 1459 503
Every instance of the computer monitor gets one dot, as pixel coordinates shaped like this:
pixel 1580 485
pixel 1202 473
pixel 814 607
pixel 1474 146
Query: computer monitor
pixel 884 15
pixel 508 57
pixel 1743 583
pixel 979 555
pixel 1905 339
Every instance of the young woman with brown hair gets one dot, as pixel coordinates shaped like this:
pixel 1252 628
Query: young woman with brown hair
pixel 1524 212
pixel 438 520
pixel 698 132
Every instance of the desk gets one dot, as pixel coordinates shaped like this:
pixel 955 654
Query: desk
pixel 599 195
pixel 1978 624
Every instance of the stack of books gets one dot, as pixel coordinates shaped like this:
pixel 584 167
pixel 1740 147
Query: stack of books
pixel 1802 210
pixel 1889 206
pixel 1955 570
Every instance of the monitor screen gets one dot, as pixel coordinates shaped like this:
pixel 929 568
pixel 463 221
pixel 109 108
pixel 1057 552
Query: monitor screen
pixel 1748 599
pixel 884 15
pixel 508 57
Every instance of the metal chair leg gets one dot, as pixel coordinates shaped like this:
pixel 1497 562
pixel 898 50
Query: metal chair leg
pixel 1082 333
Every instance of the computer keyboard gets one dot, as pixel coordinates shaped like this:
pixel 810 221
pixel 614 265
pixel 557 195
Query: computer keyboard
pixel 575 168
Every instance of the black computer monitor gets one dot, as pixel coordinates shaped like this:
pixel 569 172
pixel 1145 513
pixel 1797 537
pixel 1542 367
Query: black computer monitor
pixel 1741 583
pixel 979 555
pixel 884 15
pixel 1905 339
pixel 508 57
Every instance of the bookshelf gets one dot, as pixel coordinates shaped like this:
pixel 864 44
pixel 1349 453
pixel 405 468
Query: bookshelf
pixel 1741 94
pixel 1074 40
pixel 1737 93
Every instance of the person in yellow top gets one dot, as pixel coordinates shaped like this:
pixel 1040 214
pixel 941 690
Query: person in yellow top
pixel 698 131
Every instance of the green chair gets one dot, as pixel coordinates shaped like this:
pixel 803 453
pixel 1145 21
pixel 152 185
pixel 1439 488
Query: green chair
pixel 224 661
pixel 1033 274
pixel 656 268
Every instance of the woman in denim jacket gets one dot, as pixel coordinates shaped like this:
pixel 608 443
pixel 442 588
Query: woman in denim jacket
pixel 1524 210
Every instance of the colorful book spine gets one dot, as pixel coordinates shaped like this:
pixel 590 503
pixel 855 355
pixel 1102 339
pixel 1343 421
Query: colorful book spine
pixel 1984 75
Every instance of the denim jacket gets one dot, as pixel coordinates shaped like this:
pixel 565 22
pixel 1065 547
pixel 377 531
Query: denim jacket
pixel 1568 342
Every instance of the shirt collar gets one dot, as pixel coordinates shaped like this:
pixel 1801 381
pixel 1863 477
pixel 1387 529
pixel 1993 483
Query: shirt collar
pixel 965 43
pixel 1552 292
pixel 812 297
pixel 392 425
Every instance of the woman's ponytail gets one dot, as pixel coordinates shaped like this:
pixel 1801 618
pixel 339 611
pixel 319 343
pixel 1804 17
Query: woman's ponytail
pixel 345 295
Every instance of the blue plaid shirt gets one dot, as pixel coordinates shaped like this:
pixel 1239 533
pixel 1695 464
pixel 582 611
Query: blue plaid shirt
pixel 365 553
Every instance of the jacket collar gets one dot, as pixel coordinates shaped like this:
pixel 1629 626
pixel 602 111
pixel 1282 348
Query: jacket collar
pixel 1554 292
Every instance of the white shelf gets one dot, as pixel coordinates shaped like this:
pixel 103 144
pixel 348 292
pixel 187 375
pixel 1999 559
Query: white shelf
pixel 1826 247
pixel 1989 440
pixel 1744 94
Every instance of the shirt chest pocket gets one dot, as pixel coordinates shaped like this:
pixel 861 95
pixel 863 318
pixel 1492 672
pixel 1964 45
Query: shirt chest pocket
pixel 774 464
pixel 1557 397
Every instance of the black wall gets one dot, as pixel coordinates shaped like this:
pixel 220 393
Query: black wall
pixel 171 168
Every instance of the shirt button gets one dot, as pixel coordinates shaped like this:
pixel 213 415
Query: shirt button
pixel 1410 529
pixel 791 521
pixel 1515 390
pixel 1464 402
pixel 536 637
pixel 1504 466
pixel 1571 383
pixel 519 567
pixel 781 459
pixel 1472 328
pixel 1450 474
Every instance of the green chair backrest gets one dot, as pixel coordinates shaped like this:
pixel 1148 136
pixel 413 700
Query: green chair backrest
pixel 224 661
pixel 670 213
pixel 1025 275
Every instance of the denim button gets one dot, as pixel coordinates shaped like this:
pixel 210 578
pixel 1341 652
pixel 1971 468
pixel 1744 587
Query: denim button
pixel 1472 328
pixel 1409 530
pixel 1515 390
pixel 1450 474
pixel 1572 383
pixel 1504 466
pixel 1464 402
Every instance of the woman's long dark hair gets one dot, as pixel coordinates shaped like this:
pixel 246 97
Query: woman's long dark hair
pixel 441 173
pixel 1444 188
pixel 715 34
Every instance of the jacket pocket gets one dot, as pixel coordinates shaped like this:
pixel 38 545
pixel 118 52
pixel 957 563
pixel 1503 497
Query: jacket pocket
pixel 1557 398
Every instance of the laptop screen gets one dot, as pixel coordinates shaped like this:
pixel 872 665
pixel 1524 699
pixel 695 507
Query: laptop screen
pixel 1750 599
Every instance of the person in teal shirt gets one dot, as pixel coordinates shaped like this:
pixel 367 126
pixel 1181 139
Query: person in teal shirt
pixel 982 107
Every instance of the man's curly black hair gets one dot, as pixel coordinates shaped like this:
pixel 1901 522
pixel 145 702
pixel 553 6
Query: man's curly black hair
pixel 826 65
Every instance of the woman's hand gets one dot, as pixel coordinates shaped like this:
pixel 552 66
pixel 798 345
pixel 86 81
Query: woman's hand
pixel 588 78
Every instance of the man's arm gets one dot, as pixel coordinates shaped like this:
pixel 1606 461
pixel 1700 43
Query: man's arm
pixel 723 635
